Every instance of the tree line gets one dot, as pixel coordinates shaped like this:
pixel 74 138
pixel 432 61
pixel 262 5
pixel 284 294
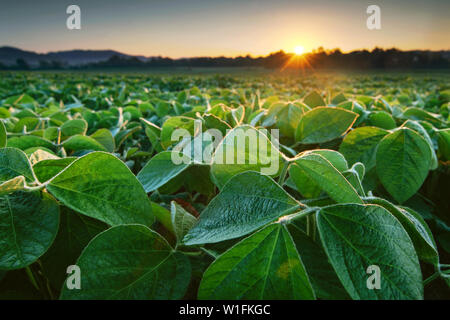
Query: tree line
pixel 318 59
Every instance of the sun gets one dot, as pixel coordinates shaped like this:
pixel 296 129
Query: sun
pixel 299 50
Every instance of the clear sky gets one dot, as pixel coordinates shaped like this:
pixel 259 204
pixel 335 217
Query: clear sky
pixel 186 28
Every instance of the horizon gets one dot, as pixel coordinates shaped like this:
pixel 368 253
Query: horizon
pixel 328 50
pixel 200 28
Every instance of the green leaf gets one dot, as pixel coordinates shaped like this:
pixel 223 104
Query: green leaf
pixel 314 99
pixel 355 176
pixel 12 185
pixel 324 124
pixel 172 124
pixel 161 169
pixel 382 119
pixel 79 142
pixel 105 138
pixel 360 145
pixel 416 126
pixel 13 163
pixel 101 186
pixel 163 216
pixel 130 262
pixel 47 169
pixel 182 221
pixel 403 161
pixel 319 170
pixel 323 278
pixel 245 149
pixel 26 142
pixel 234 213
pixel 28 225
pixel 444 144
pixel 73 127
pixel 307 187
pixel 416 227
pixel 75 232
pixel 288 116
pixel 358 236
pixel 2 135
pixel 40 155
pixel 265 265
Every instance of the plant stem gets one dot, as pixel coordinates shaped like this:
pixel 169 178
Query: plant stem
pixel 283 174
pixel 195 253
pixel 31 276
pixel 298 215
pixel 431 278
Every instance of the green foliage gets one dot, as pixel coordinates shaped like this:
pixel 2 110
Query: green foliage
pixel 355 180
pixel 100 186
pixel 265 265
pixel 403 161
pixel 324 124
pixel 356 237
pixel 131 262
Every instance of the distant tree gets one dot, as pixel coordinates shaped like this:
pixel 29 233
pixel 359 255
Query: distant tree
pixel 44 64
pixel 22 64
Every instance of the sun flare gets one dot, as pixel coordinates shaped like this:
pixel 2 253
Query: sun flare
pixel 299 50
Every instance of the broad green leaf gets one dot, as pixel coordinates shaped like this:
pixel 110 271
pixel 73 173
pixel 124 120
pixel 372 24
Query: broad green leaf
pixel 75 232
pixel 28 225
pixel 105 138
pixel 416 227
pixel 324 124
pixel 79 142
pixel 74 127
pixel 415 113
pixel 307 187
pixel 288 117
pixel 245 149
pixel 12 185
pixel 130 262
pixel 2 135
pixel 265 265
pixel 355 176
pixel 325 175
pixel 247 202
pixel 47 169
pixel 182 220
pixel 416 126
pixel 358 236
pixel 323 278
pixel 214 122
pixel 101 186
pixel 163 216
pixel 13 163
pixel 176 123
pixel 382 119
pixel 314 99
pixel 403 161
pixel 336 159
pixel 26 142
pixel 360 145
pixel 444 144
pixel 26 124
pixel 40 155
pixel 162 168
pixel 123 135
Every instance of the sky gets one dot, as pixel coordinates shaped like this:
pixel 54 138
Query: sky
pixel 188 28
